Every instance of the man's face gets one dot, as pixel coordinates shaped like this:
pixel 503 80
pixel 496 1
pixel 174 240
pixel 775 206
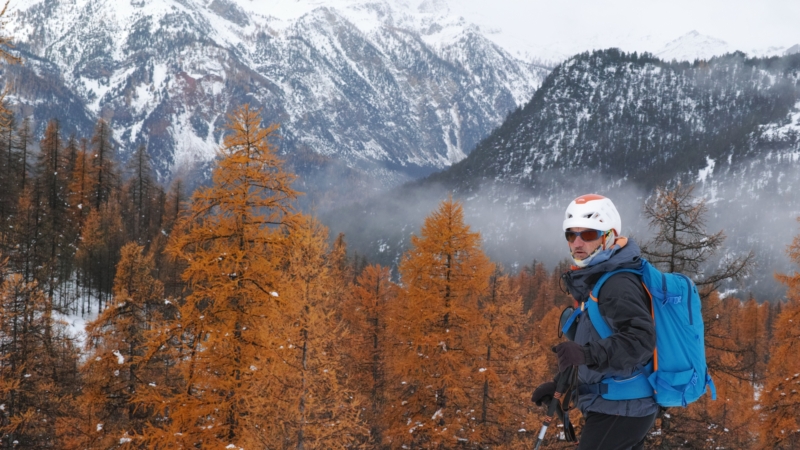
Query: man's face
pixel 581 249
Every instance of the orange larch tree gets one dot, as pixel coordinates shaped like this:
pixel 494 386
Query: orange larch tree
pixel 730 421
pixel 434 388
pixel 509 369
pixel 102 238
pixel 780 400
pixel 10 181
pixel 115 369
pixel 24 143
pixel 143 199
pixel 752 340
pixel 78 188
pixel 50 179
pixel 311 402
pixel 103 171
pixel 229 241
pixel 366 314
pixel 23 230
pixel 532 282
pixel 342 273
pixel 169 269
pixel 94 189
pixel 38 369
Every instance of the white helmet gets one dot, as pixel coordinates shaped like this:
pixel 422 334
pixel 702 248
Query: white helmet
pixel 593 211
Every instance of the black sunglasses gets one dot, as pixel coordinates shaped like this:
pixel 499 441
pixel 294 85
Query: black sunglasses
pixel 586 236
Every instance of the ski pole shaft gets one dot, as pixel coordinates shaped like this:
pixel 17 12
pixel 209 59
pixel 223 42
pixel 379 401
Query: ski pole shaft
pixel 562 382
pixel 542 433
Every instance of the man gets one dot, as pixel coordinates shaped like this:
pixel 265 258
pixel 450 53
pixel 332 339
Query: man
pixel 593 229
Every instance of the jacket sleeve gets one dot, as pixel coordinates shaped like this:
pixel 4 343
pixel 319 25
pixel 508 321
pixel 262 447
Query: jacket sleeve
pixel 625 305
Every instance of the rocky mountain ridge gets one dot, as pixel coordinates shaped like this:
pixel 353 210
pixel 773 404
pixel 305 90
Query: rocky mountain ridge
pixel 371 105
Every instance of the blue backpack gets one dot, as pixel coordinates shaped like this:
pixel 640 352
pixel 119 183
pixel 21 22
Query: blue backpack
pixel 678 374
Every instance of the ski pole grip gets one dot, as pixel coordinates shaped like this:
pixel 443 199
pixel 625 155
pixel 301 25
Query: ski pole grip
pixel 562 383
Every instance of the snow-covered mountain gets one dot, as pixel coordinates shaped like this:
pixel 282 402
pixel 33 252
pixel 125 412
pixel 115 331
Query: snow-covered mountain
pixel 368 94
pixel 376 93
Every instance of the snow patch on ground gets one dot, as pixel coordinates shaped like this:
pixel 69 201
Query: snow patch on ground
pixel 76 326
pixel 704 173
pixel 781 131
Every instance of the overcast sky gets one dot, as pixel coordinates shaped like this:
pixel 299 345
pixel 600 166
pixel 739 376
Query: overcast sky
pixel 556 29
pixel 568 25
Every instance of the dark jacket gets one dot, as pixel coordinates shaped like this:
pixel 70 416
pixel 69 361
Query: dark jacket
pixel 625 306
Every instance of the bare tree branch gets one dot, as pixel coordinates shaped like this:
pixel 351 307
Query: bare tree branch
pixel 682 244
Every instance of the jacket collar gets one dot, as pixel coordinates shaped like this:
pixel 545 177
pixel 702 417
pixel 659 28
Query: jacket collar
pixel 625 254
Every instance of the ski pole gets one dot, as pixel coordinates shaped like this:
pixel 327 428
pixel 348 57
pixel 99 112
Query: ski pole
pixel 562 383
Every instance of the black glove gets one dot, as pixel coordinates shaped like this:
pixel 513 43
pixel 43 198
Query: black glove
pixel 544 393
pixel 569 354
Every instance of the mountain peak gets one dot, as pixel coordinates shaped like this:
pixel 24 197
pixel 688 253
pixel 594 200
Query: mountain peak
pixel 792 50
pixel 694 45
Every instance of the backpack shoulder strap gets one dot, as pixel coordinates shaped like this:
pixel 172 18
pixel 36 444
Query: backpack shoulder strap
pixel 595 317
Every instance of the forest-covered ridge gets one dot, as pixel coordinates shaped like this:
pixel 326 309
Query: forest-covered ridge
pixel 635 116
